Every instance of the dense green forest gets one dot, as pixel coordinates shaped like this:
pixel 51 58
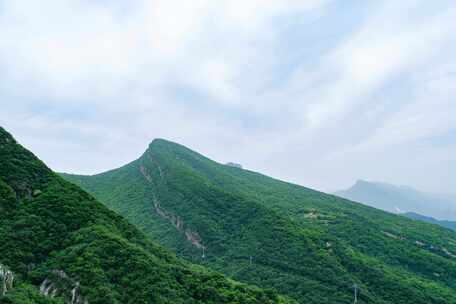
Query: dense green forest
pixel 309 245
pixel 62 246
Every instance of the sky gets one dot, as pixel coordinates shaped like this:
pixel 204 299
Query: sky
pixel 319 92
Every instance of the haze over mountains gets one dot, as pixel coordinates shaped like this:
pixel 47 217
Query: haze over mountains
pixel 311 93
pixel 402 199
pixel 325 85
pixel 306 244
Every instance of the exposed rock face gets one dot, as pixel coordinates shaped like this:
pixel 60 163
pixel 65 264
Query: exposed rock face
pixel 448 253
pixel 191 236
pixel 59 284
pixel 36 192
pixel 146 176
pixel 6 280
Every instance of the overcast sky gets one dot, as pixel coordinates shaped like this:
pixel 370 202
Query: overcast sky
pixel 318 92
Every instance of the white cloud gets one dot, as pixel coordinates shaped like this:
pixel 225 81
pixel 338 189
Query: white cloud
pixel 385 46
pixel 75 47
pixel 233 79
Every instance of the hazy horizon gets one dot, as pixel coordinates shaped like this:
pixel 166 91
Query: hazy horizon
pixel 320 93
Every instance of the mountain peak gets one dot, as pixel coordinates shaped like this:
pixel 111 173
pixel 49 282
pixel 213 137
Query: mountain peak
pixel 365 184
pixel 164 143
pixel 252 227
pixel 159 140
pixel 166 148
pixel 361 182
pixel 58 221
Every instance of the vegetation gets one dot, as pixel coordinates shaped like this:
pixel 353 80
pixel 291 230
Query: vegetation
pixel 51 231
pixel 27 294
pixel 309 245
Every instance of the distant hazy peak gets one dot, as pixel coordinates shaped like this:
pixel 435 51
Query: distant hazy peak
pixel 431 220
pixel 399 199
pixel 360 183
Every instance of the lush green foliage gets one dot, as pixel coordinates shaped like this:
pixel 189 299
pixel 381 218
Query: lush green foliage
pixel 49 224
pixel 27 294
pixel 308 244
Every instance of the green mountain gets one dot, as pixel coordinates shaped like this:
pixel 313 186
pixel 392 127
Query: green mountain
pixel 59 245
pixel 307 244
pixel 428 219
pixel 400 199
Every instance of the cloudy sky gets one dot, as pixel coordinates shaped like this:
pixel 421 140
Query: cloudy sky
pixel 317 92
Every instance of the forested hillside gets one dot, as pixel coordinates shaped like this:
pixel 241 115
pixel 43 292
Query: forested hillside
pixel 59 245
pixel 309 245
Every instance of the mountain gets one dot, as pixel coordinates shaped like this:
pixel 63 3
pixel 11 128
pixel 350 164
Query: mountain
pixel 419 217
pixel 400 199
pixel 59 245
pixel 309 245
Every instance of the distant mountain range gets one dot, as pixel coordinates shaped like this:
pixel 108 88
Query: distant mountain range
pixel 419 217
pixel 305 244
pixel 402 199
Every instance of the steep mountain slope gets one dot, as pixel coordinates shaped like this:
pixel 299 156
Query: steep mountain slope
pixel 399 199
pixel 59 245
pixel 431 220
pixel 308 244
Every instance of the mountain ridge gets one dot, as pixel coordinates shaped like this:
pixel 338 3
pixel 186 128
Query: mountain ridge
pixel 307 244
pixel 59 245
